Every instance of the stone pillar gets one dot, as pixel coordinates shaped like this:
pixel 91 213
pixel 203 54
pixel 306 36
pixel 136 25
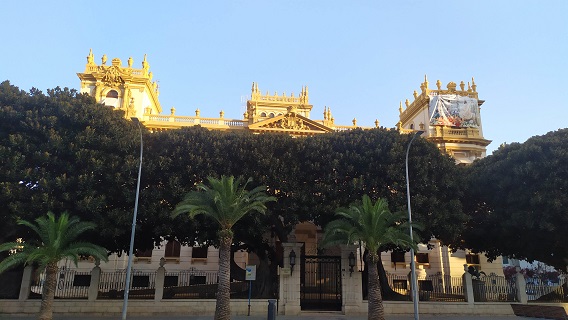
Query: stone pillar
pixel 521 287
pixel 290 281
pixel 26 283
pixel 351 286
pixel 467 286
pixel 95 280
pixel 160 277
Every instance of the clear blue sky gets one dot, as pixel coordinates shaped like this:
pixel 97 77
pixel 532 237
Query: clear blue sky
pixel 358 57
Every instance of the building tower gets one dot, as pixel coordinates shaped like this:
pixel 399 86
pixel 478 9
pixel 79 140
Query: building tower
pixel 449 117
pixel 124 88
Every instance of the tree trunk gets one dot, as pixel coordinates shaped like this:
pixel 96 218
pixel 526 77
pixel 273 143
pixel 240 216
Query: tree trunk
pixel 48 294
pixel 376 311
pixel 386 290
pixel 264 281
pixel 237 272
pixel 223 305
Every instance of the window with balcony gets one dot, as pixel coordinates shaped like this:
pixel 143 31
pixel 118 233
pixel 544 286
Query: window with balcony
pixel 397 258
pixel 172 251
pixel 472 259
pixel 143 255
pixel 422 258
pixel 199 253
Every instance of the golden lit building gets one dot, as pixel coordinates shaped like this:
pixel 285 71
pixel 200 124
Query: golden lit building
pixel 133 91
pixel 449 117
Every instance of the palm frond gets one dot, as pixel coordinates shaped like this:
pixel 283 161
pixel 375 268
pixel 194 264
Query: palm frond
pixel 226 200
pixel 370 223
pixel 58 241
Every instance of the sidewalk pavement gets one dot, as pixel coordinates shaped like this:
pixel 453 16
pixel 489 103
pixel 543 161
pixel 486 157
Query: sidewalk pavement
pixel 304 316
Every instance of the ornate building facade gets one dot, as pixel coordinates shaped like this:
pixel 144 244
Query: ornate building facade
pixel 133 91
pixel 449 117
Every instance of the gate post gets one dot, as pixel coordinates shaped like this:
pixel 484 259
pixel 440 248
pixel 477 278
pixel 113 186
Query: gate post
pixel 468 286
pixel 26 283
pixel 95 280
pixel 351 286
pixel 160 278
pixel 290 281
pixel 521 285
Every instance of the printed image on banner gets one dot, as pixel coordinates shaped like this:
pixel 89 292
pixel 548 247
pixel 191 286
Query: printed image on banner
pixel 454 110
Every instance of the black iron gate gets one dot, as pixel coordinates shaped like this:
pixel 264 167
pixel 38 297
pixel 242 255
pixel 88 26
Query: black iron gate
pixel 320 286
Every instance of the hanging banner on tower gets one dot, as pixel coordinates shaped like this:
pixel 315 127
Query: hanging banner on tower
pixel 454 110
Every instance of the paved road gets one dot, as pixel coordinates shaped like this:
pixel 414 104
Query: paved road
pixel 319 316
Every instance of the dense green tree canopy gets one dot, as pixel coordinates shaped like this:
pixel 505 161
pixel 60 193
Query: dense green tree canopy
pixel 309 176
pixel 518 200
pixel 62 152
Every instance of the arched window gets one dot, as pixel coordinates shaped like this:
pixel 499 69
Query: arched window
pixel 263 114
pixel 112 94
pixel 271 115
pixel 412 126
pixel 111 99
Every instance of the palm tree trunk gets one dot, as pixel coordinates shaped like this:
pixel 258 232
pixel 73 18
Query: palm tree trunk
pixel 376 311
pixel 46 309
pixel 223 306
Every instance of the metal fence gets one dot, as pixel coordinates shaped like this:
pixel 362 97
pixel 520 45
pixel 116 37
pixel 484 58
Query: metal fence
pixel 435 287
pixel 539 290
pixel 494 288
pixel 189 284
pixel 440 287
pixel 194 284
pixel 70 284
pixel 142 285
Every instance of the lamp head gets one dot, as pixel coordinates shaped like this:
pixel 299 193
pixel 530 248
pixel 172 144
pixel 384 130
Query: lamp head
pixel 292 257
pixel 352 262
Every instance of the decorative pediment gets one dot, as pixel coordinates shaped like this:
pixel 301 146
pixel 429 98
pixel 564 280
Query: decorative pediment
pixel 290 123
pixel 112 76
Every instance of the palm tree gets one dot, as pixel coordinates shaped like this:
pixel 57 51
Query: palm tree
pixel 57 240
pixel 372 225
pixel 225 201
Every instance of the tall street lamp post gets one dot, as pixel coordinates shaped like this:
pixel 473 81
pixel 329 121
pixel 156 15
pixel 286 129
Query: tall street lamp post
pixel 133 231
pixel 414 284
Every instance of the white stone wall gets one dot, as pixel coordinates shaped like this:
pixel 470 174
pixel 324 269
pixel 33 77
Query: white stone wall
pixel 205 307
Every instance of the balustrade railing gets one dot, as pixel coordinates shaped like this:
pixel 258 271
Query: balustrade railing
pixel 440 131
